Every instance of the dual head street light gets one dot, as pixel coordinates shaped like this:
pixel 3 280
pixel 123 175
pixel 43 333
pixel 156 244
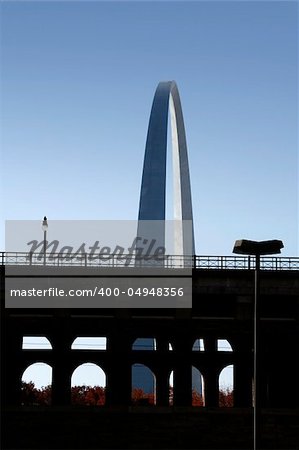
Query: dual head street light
pixel 257 248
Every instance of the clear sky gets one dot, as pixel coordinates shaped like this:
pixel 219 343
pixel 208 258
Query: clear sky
pixel 77 82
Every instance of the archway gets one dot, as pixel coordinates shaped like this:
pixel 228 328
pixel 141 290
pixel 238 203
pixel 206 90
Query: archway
pixel 147 344
pixel 36 384
pixel 223 345
pixel 197 388
pixel 153 187
pixel 89 343
pixel 88 385
pixel 198 345
pixel 143 385
pixel 226 386
pixel 36 343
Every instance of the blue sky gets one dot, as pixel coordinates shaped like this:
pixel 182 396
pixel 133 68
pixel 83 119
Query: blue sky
pixel 77 82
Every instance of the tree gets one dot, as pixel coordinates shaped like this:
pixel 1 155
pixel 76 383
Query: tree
pixel 197 399
pixel 226 398
pixel 139 397
pixel 95 396
pixel 88 395
pixel 30 395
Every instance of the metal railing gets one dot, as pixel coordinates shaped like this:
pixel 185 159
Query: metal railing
pixel 246 262
pixel 171 261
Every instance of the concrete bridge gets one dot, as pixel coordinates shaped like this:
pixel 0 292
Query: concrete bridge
pixel 222 309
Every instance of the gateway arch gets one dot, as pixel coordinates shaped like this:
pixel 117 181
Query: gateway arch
pixel 152 206
pixel 153 187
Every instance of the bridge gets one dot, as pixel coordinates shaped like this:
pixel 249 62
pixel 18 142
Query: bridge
pixel 222 309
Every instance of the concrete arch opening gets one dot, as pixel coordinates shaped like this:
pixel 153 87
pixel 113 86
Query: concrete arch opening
pixel 226 386
pixel 197 388
pixel 36 343
pixel 198 345
pixel 147 344
pixel 88 385
pixel 89 343
pixel 223 345
pixel 143 390
pixel 36 385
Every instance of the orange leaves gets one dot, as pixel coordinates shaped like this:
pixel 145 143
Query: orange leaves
pixel 80 395
pixel 95 396
pixel 88 395
pixel 226 398
pixel 31 396
pixel 139 397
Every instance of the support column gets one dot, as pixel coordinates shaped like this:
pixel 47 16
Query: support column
pixel 61 381
pixel 243 381
pixel 61 369
pixel 182 384
pixel 162 388
pixel 162 345
pixel 211 375
pixel 211 386
pixel 11 370
pixel 119 374
pixel 119 382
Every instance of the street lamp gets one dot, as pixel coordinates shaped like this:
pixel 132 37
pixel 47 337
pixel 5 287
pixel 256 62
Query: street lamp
pixel 45 229
pixel 246 247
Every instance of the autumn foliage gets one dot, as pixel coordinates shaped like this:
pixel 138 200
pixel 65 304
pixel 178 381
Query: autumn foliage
pixel 30 395
pixel 88 395
pixel 95 396
pixel 226 398
pixel 197 399
pixel 80 395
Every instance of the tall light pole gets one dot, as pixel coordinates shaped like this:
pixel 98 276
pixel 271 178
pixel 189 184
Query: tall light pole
pixel 246 247
pixel 45 229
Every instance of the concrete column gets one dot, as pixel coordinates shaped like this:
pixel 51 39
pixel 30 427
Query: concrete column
pixel 210 344
pixel 61 381
pixel 162 345
pixel 162 386
pixel 11 371
pixel 211 393
pixel 182 384
pixel 61 368
pixel 118 390
pixel 243 381
pixel 211 375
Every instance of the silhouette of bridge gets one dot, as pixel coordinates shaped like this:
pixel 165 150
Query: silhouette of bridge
pixel 222 309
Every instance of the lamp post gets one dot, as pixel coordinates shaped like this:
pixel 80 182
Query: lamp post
pixel 246 247
pixel 45 229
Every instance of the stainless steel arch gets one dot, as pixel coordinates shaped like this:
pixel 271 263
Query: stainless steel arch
pixel 153 186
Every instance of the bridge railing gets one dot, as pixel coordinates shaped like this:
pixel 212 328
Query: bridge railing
pixel 246 262
pixel 171 261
